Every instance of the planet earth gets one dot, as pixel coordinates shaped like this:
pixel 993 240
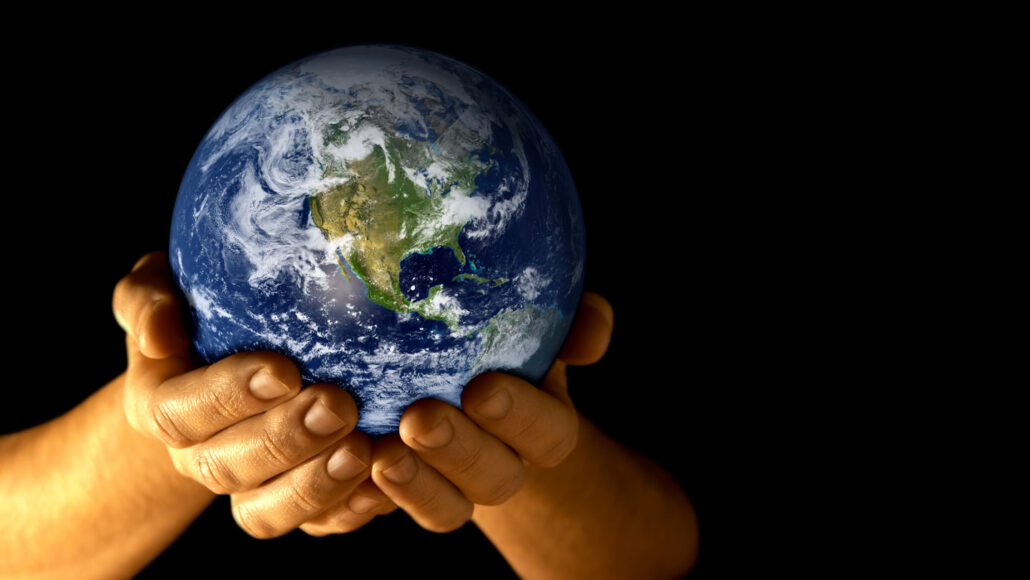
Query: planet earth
pixel 391 219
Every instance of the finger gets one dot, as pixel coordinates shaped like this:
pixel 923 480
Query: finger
pixel 306 491
pixel 417 488
pixel 146 307
pixel 541 428
pixel 556 383
pixel 143 377
pixel 247 454
pixel 352 512
pixel 486 470
pixel 591 331
pixel 191 407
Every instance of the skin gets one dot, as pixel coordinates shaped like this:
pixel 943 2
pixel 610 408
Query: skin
pixel 556 496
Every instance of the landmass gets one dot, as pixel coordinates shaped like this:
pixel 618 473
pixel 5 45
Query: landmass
pixel 378 215
pixel 512 336
pixel 481 280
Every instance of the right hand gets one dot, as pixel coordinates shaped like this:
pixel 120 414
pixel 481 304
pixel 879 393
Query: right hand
pixel 243 426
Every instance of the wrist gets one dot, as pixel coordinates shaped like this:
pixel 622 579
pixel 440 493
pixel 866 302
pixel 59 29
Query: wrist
pixel 606 509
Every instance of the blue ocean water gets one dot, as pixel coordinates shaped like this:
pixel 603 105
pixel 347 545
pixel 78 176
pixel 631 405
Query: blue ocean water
pixel 250 288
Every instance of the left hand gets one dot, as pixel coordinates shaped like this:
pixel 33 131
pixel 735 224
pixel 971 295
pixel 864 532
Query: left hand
pixel 444 460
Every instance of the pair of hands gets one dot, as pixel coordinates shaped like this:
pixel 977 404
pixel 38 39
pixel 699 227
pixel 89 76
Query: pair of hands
pixel 290 457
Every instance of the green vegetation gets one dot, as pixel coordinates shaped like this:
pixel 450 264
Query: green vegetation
pixel 481 280
pixel 383 218
pixel 472 277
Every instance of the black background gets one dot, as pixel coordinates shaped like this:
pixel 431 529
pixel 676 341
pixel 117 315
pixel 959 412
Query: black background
pixel 665 130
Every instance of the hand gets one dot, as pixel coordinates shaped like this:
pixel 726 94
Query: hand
pixel 444 461
pixel 242 426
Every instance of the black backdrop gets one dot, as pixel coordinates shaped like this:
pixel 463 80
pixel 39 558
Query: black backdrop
pixel 660 138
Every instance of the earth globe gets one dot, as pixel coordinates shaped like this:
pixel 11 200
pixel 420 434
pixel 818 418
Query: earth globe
pixel 391 219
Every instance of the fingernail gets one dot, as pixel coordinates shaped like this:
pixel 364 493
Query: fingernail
pixel 361 504
pixel 321 421
pixel 401 472
pixel 437 436
pixel 264 386
pixel 344 465
pixel 496 405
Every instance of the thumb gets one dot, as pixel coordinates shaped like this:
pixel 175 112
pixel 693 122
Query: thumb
pixel 146 307
pixel 591 331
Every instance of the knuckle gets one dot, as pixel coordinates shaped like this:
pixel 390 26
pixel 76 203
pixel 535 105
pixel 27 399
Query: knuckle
pixel 303 499
pixel 427 502
pixel 276 450
pixel 469 463
pixel 213 473
pixel 526 426
pixel 501 490
pixel 251 523
pixel 165 424
pixel 558 451
pixel 226 402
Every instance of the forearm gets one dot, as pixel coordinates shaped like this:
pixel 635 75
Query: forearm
pixel 605 512
pixel 86 496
